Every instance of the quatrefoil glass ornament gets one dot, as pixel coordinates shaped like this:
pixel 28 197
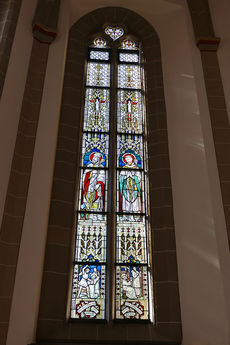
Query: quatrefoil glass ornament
pixel 114 32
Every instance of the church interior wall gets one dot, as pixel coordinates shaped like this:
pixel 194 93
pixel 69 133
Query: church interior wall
pixel 199 222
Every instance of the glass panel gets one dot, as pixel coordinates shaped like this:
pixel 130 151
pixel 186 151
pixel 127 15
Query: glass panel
pixel 129 44
pixel 130 218
pixel 95 150
pixel 129 151
pixel 131 242
pixel 130 195
pixel 126 57
pixel 88 293
pixel 132 292
pixel 129 111
pixel 97 55
pixel 114 32
pixel 129 76
pixel 98 74
pixel 93 191
pixel 91 240
pixel 96 116
pixel 99 43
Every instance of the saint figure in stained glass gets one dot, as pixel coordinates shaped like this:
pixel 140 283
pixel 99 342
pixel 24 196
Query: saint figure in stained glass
pixel 131 283
pixel 93 191
pixel 130 186
pixel 89 283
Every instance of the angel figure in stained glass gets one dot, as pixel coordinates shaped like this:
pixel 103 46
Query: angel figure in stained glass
pixel 93 191
pixel 130 185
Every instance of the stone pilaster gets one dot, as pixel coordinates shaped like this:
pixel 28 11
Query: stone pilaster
pixel 16 197
pixel 208 45
pixel 45 20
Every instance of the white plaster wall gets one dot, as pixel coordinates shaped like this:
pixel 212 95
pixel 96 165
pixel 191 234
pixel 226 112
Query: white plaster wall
pixel 201 283
pixel 11 100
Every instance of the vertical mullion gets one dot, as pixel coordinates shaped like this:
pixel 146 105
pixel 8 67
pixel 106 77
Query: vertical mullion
pixel 112 189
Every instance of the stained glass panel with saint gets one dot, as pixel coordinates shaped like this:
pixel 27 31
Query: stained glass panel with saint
pixel 131 242
pixel 91 240
pixel 129 76
pixel 130 191
pixel 93 190
pixel 96 114
pixel 129 151
pixel 98 74
pixel 129 111
pixel 132 292
pixel 95 148
pixel 88 292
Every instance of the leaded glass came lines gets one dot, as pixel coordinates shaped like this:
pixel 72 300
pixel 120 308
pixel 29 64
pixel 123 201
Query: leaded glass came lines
pixel 95 208
pixel 129 111
pixel 126 57
pixel 131 242
pixel 95 150
pixel 91 240
pixel 129 77
pixel 98 74
pixel 88 300
pixel 96 116
pixel 132 285
pixel 129 44
pixel 132 292
pixel 99 43
pixel 114 32
pixel 96 55
pixel 89 271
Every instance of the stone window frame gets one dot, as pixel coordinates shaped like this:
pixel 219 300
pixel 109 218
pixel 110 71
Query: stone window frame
pixel 53 324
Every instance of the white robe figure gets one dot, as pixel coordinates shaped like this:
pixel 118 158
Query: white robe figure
pixel 136 281
pixel 127 287
pixel 95 284
pixel 83 284
pixel 93 192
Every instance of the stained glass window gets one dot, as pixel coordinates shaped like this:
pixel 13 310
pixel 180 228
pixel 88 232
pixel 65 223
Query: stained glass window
pixel 94 203
pixel 132 277
pixel 89 269
pixel 114 32
pixel 99 43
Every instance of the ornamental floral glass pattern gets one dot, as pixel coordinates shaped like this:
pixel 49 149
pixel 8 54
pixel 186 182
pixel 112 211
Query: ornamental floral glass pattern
pixel 89 269
pixel 114 32
pixel 96 117
pixel 132 281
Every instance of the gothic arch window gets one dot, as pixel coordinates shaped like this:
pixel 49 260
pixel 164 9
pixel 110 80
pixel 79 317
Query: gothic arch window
pixel 54 323
pixel 113 135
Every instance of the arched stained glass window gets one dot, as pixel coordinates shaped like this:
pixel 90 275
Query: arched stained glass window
pixel 112 198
